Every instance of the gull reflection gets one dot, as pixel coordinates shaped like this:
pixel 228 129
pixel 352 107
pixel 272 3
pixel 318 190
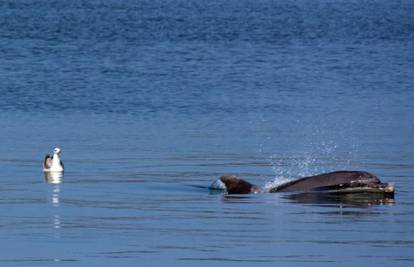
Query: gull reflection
pixel 55 201
pixel 56 221
pixel 53 177
pixel 55 197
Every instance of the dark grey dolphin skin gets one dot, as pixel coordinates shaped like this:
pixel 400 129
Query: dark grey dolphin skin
pixel 235 185
pixel 335 182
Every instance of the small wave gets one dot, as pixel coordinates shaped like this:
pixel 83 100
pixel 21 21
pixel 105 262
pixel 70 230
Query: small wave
pixel 217 185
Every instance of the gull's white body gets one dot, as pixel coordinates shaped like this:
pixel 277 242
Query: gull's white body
pixel 54 163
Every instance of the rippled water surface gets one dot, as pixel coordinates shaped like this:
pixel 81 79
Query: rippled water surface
pixel 151 101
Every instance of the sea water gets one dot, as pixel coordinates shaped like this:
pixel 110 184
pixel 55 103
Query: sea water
pixel 152 101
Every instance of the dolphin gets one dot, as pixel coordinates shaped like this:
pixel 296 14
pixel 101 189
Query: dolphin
pixel 332 182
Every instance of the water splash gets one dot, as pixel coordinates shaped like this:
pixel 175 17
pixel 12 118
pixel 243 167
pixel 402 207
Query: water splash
pixel 324 157
pixel 275 183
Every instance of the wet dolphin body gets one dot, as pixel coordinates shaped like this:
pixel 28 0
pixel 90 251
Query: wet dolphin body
pixel 338 182
pixel 235 185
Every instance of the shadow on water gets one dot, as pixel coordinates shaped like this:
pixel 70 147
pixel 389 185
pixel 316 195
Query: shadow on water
pixel 352 200
pixel 320 198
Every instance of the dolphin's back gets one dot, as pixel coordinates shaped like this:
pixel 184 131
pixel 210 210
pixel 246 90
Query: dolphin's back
pixel 326 180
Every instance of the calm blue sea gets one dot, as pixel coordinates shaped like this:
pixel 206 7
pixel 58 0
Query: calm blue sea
pixel 151 101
